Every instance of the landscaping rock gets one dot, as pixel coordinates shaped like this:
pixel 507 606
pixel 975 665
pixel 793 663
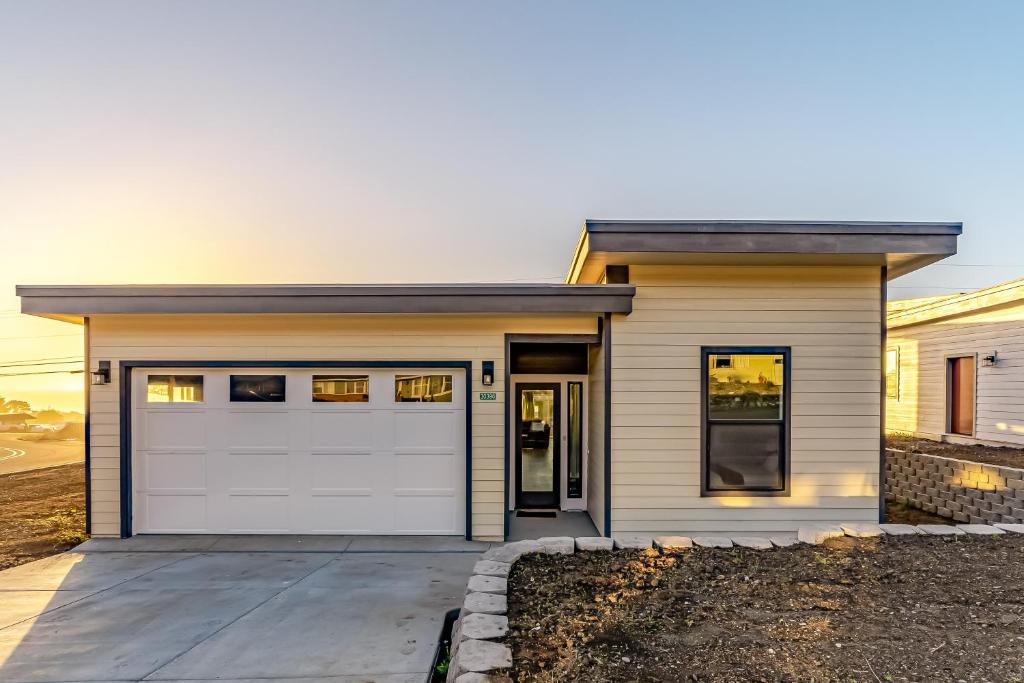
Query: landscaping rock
pixel 752 542
pixel 487 584
pixel 479 656
pixel 784 541
pixel 510 552
pixel 899 529
pixel 862 529
pixel 484 603
pixel 1015 528
pixel 672 544
pixel 712 541
pixel 557 545
pixel 940 530
pixel 590 543
pixel 633 542
pixel 492 568
pixel 483 626
pixel 980 529
pixel 476 677
pixel 816 534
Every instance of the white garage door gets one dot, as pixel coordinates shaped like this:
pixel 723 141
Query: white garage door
pixel 329 451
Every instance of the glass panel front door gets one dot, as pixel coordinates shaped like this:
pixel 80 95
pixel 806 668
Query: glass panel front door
pixel 537 441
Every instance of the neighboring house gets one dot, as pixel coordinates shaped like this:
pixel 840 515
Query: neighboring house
pixel 955 366
pixel 688 377
pixel 15 420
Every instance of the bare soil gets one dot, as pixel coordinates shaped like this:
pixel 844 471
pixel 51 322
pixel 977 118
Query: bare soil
pixel 991 455
pixel 887 609
pixel 898 513
pixel 42 512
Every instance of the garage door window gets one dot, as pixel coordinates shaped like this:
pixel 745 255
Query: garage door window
pixel 257 388
pixel 423 389
pixel 341 388
pixel 174 389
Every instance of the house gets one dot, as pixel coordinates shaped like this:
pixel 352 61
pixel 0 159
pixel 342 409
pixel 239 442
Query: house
pixel 954 366
pixel 15 421
pixel 687 377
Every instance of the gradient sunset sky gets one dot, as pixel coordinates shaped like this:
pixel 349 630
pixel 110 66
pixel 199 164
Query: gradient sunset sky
pixel 467 141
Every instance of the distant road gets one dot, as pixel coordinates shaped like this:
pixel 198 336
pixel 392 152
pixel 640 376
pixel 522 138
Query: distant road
pixel 17 455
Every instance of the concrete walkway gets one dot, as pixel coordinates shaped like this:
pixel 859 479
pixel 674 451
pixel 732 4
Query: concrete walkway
pixel 177 608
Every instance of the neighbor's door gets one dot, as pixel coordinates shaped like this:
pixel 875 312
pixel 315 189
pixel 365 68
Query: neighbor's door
pixel 537 445
pixel 961 395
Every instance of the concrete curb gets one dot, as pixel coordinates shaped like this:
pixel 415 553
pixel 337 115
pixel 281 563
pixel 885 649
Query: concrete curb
pixel 483 621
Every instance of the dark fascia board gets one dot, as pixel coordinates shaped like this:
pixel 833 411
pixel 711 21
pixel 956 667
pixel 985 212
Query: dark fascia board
pixel 458 298
pixel 778 227
pixel 907 245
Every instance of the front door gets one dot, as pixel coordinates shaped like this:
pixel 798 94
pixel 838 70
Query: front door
pixel 537 445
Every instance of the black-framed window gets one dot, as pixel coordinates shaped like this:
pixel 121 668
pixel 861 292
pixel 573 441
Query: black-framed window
pixel 574 485
pixel 745 398
pixel 423 388
pixel 174 389
pixel 341 388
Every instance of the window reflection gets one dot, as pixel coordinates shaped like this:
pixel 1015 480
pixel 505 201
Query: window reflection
pixel 174 389
pixel 423 388
pixel 341 388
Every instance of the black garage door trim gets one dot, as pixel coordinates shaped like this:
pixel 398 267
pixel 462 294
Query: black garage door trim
pixel 126 367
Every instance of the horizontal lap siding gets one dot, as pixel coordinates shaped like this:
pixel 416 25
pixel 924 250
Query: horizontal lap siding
pixel 311 337
pixel 830 317
pixel 923 349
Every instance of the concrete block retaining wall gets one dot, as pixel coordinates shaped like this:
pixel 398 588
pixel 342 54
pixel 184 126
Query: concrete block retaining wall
pixel 964 491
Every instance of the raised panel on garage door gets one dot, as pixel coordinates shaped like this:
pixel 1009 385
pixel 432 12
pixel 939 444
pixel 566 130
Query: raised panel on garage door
pixel 355 458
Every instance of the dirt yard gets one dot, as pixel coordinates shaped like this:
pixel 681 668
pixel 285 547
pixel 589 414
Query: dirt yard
pixel 889 609
pixel 898 513
pixel 42 512
pixel 1003 457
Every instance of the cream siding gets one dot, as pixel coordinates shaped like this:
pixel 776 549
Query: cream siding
pixel 314 337
pixel 829 316
pixel 923 348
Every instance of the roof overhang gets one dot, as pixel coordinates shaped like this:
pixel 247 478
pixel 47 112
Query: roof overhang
pixel 933 309
pixel 901 247
pixel 73 303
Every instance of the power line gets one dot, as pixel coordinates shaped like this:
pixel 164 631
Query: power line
pixel 41 372
pixel 47 358
pixel 58 362
pixel 42 336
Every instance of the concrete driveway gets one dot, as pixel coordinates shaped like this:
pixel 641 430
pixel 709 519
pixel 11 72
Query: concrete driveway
pixel 232 608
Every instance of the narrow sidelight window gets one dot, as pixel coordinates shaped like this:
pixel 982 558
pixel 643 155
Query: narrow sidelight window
pixel 423 388
pixel 745 416
pixel 174 389
pixel 892 373
pixel 574 485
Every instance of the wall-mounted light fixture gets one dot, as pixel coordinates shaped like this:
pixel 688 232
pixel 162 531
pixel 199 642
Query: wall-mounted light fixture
pixel 101 375
pixel 990 361
pixel 487 375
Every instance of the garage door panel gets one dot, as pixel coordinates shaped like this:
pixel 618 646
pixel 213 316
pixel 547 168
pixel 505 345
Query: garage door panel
pixel 342 429
pixel 423 428
pixel 344 514
pixel 341 471
pixel 165 470
pixel 257 428
pixel 174 429
pixel 419 514
pixel 298 466
pixel 259 470
pixel 431 471
pixel 176 513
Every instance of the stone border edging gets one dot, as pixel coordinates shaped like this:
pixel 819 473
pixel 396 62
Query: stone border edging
pixel 476 657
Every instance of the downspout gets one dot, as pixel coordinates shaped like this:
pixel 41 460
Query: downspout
pixel 883 295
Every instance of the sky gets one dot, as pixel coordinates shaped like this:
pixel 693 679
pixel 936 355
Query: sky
pixel 443 141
